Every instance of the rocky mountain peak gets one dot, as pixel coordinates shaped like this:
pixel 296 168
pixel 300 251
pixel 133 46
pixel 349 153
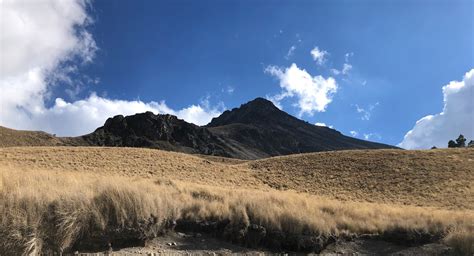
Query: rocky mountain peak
pixel 256 129
pixel 259 110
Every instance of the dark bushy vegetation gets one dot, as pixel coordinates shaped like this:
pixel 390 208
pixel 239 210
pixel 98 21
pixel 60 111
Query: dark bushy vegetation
pixel 460 142
pixel 471 144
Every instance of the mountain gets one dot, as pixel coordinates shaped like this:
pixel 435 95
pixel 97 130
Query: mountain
pixel 255 130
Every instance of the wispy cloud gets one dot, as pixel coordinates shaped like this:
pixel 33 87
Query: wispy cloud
pixel 228 89
pixel 346 67
pixel 366 113
pixel 372 136
pixel 290 52
pixel 319 55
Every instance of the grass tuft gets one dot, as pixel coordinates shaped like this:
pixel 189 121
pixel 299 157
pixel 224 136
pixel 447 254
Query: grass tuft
pixel 47 212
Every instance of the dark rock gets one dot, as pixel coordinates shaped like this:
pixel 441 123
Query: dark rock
pixel 409 237
pixel 255 130
pixel 255 235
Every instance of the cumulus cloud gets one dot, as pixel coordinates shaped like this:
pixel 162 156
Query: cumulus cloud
pixel 319 55
pixel 456 118
pixel 41 43
pixel 83 116
pixel 354 133
pixel 313 93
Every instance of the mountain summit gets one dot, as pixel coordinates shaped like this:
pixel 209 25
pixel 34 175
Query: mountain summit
pixel 256 129
pixel 259 110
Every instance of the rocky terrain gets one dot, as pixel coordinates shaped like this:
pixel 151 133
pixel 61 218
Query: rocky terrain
pixel 255 130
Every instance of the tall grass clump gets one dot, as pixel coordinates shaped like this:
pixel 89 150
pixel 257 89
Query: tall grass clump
pixel 47 212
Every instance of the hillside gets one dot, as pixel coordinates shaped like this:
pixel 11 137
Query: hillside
pixel 438 178
pixel 441 177
pixel 86 199
pixel 18 138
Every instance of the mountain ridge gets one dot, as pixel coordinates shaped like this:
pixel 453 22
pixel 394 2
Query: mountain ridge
pixel 256 129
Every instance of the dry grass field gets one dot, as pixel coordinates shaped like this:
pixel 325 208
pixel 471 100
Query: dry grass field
pixel 44 210
pixel 19 138
pixel 59 198
pixel 439 178
pixel 10 138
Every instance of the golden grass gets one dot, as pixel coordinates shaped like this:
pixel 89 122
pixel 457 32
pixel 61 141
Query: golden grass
pixel 19 138
pixel 441 178
pixel 45 211
pixel 51 198
pixel 131 162
pixel 12 138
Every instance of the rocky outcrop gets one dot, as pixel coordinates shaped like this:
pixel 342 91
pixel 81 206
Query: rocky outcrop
pixel 156 131
pixel 255 130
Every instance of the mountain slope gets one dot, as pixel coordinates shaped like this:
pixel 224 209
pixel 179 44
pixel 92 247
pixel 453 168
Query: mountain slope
pixel 19 138
pixel 255 130
pixel 267 130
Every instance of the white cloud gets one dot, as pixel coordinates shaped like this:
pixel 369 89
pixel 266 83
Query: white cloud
pixel 229 89
pixel 313 93
pixel 335 71
pixel 83 116
pixel 366 113
pixel 456 118
pixel 372 136
pixel 38 44
pixel 290 52
pixel 354 133
pixel 347 56
pixel 319 55
pixel 346 67
pixel 323 125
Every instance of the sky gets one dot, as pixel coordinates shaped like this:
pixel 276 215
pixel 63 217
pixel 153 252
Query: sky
pixel 396 72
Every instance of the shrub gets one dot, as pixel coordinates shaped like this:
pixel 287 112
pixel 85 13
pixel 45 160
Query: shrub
pixel 461 141
pixel 452 144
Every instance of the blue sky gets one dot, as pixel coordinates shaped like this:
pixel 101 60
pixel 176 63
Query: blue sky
pixel 216 55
